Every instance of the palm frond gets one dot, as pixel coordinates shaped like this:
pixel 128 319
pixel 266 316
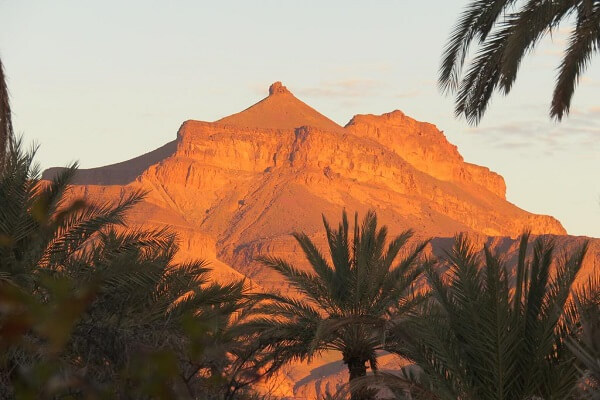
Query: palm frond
pixel 75 225
pixel 536 19
pixel 483 334
pixel 348 304
pixel 476 22
pixel 317 261
pixel 503 32
pixel 583 43
pixel 305 283
pixel 52 194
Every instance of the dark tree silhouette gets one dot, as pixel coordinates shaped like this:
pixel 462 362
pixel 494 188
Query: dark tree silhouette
pixel 506 30
pixel 348 301
pixel 6 128
pixel 492 331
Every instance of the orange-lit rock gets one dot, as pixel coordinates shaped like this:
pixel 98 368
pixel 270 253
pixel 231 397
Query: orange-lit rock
pixel 236 188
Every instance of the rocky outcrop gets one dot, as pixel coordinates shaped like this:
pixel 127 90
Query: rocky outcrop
pixel 280 110
pixel 236 188
pixel 278 88
pixel 426 148
pixel 248 180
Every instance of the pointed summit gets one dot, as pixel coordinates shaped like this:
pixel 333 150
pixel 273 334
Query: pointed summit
pixel 277 88
pixel 280 110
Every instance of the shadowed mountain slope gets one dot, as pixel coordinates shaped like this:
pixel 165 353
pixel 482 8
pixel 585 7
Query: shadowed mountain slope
pixel 120 173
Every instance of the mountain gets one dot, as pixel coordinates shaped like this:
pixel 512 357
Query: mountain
pixel 236 188
pixel 280 110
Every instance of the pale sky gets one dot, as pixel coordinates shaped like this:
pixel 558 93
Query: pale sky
pixel 105 81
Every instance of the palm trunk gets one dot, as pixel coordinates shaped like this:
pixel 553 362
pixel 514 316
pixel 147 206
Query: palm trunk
pixel 6 129
pixel 357 368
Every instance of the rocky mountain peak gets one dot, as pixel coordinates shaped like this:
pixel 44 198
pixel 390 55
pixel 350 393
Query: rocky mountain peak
pixel 277 88
pixel 280 110
pixel 236 189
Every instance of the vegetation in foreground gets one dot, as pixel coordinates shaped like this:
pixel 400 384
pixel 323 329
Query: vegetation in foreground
pixel 504 31
pixel 492 330
pixel 345 305
pixel 90 308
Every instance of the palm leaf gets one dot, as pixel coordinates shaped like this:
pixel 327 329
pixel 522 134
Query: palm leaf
pixel 583 43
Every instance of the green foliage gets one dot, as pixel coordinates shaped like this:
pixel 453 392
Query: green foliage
pixel 39 227
pixel 347 302
pixel 90 308
pixel 490 334
pixel 33 334
pixel 506 31
pixel 586 345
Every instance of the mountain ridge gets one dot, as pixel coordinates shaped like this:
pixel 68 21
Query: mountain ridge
pixel 228 177
pixel 236 188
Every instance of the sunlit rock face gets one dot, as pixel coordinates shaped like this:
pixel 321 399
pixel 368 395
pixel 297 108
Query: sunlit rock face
pixel 236 188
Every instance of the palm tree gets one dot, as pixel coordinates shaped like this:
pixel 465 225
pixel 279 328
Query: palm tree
pixel 586 345
pixel 142 309
pixel 225 358
pixel 148 303
pixel 345 304
pixel 490 334
pixel 6 129
pixel 114 295
pixel 39 226
pixel 505 31
pixel 143 302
